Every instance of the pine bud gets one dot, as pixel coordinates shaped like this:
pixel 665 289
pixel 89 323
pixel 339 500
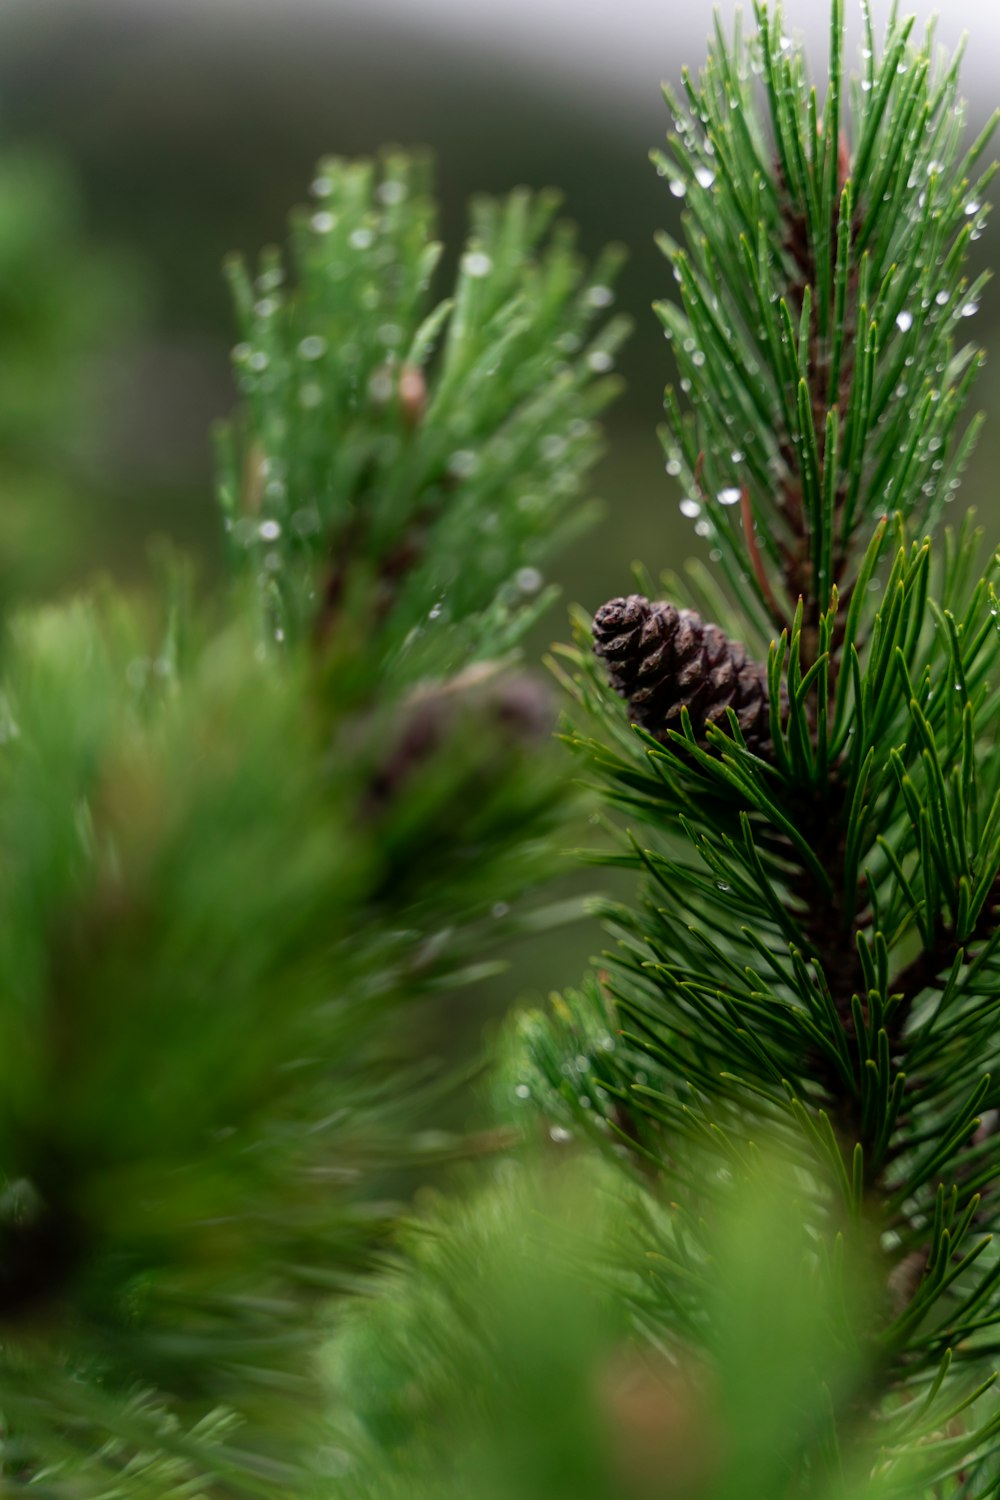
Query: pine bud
pixel 412 394
pixel 662 659
pixel 843 160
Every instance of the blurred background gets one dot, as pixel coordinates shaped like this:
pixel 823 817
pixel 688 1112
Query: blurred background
pixel 144 139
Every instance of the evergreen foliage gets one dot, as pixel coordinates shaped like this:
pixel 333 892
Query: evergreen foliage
pixel 815 955
pixel 65 310
pixel 445 482
pixel 734 1237
pixel 243 847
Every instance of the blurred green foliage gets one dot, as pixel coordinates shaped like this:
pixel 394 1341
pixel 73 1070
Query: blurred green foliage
pixel 246 846
pixel 243 850
pixel 519 1349
pixel 65 306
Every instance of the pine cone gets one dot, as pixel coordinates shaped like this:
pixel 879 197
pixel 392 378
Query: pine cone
pixel 513 712
pixel 662 659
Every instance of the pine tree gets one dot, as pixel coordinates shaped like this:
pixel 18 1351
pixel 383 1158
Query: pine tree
pixel 733 1237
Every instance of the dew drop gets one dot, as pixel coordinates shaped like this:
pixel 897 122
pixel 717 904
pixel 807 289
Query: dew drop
pixel 970 309
pixel 600 361
pixel 476 264
pixel 673 467
pixel 522 1091
pixel 361 238
pixel 704 176
pixel 391 192
pixel 690 508
pixel 904 321
pixel 258 360
pixel 381 386
pixel 528 580
pixel 729 496
pixel 560 1135
pixel 312 347
pixel 600 296
pixel 463 464
pixel 323 222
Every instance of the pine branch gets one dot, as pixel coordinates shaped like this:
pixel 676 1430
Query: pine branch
pixel 242 855
pixel 815 953
pixel 810 295
pixel 465 427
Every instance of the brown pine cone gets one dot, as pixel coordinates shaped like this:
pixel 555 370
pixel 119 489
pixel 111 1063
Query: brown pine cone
pixel 663 659
pixel 513 712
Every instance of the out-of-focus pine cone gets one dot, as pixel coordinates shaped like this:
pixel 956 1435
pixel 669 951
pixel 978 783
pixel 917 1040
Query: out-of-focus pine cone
pixel 511 712
pixel 662 659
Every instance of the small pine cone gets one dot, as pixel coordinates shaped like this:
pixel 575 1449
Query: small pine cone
pixel 511 713
pixel 662 659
